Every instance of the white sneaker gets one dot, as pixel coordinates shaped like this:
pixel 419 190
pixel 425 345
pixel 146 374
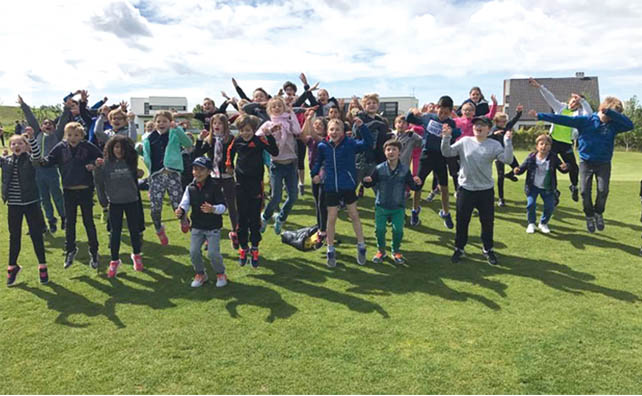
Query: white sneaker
pixel 544 228
pixel 221 280
pixel 531 228
pixel 199 280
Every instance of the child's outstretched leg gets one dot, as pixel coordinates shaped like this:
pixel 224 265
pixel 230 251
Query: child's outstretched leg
pixel 333 212
pixel 196 242
pixel 381 220
pixel 397 219
pixel 214 254
pixel 87 211
pixel 156 192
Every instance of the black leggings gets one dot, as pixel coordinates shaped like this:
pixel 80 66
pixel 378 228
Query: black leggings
pixel 565 151
pixel 131 210
pixel 320 206
pixel 85 199
pixel 249 199
pixel 36 224
pixel 467 201
pixel 500 175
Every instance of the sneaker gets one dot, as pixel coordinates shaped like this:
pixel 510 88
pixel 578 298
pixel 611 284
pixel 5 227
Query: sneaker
pixel 398 258
pixel 530 229
pixel 264 224
pixel 52 226
pixel 590 224
pixel 44 275
pixel 221 280
pixel 234 239
pixel 185 226
pixel 511 176
pixel 12 274
pixel 254 253
pixel 162 236
pixel 544 228
pixel 243 256
pixel 574 192
pixel 301 189
pixel 490 256
pixel 332 259
pixel 379 257
pixel 278 224
pixel 414 216
pixel 458 254
pixel 430 197
pixel 93 260
pixel 199 280
pixel 599 222
pixel 501 203
pixel 69 257
pixel 137 262
pixel 361 255
pixel 447 218
pixel 113 268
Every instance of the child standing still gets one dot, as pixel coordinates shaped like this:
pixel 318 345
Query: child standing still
pixel 390 180
pixel 117 189
pixel 20 192
pixel 162 156
pixel 541 179
pixel 204 197
pixel 76 159
pixel 336 156
pixel 476 155
pixel 248 150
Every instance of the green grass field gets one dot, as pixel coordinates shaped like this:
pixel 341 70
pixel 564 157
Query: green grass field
pixel 561 314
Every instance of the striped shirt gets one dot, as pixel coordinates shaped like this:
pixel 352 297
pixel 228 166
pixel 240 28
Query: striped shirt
pixel 14 193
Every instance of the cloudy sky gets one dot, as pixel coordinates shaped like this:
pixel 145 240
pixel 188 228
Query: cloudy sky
pixel 425 48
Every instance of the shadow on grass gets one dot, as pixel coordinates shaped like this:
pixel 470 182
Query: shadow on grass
pixel 68 303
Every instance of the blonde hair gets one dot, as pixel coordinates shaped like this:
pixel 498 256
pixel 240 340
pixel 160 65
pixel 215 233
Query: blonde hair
pixel 20 137
pixel 544 136
pixel 471 104
pixel 117 112
pixel 336 121
pixel 164 113
pixel 500 116
pixel 274 100
pixel 74 126
pixel 226 127
pixel 613 103
pixel 367 97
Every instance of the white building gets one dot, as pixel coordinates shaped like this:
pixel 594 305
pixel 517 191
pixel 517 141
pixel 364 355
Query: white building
pixel 145 108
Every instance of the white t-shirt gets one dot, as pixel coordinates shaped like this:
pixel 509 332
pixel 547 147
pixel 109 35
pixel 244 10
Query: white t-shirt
pixel 542 178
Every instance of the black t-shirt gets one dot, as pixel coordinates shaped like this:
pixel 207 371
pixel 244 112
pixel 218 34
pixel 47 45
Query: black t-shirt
pixel 158 144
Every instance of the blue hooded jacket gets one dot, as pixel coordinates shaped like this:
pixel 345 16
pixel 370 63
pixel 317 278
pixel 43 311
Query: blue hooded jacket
pixel 339 160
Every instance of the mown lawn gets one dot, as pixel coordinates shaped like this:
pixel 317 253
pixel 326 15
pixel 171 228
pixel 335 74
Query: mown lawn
pixel 561 314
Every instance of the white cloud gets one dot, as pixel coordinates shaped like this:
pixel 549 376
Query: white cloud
pixel 192 48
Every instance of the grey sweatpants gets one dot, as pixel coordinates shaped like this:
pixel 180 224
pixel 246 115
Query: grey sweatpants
pixel 602 172
pixel 213 238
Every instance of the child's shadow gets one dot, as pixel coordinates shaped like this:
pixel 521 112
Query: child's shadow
pixel 68 303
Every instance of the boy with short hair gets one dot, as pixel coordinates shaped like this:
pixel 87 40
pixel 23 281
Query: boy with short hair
pixel 205 198
pixel 389 180
pixel 595 143
pixel 432 159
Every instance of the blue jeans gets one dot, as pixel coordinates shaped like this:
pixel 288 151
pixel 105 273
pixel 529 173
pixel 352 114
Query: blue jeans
pixel 278 175
pixel 48 182
pixel 531 203
pixel 213 238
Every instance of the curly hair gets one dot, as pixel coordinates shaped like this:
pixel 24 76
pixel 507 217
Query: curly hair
pixel 127 146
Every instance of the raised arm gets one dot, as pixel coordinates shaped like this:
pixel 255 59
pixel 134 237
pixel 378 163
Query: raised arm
pixel 31 119
pixel 551 100
pixel 575 122
pixel 448 150
pixel 99 129
pixel 621 123
pixel 239 90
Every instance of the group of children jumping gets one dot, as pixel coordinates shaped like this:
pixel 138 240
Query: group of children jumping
pixel 348 145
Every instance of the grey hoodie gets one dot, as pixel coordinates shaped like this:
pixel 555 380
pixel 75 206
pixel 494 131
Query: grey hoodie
pixel 115 183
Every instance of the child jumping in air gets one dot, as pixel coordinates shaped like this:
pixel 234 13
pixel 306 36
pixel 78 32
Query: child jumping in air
pixel 20 193
pixel 389 180
pixel 541 179
pixel 116 179
pixel 162 156
pixel 204 197
pixel 336 156
pixel 247 148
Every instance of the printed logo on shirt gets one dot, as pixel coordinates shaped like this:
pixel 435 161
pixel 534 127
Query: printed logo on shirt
pixel 434 128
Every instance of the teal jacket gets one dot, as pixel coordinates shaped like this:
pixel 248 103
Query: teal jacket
pixel 172 159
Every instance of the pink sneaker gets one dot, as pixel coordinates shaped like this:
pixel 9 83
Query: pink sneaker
pixel 162 236
pixel 137 260
pixel 113 268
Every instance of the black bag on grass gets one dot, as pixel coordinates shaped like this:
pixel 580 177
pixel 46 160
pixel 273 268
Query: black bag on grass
pixel 304 239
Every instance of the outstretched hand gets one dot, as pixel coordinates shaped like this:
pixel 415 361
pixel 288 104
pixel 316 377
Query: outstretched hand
pixel 446 131
pixel 533 82
pixel 532 113
pixel 519 108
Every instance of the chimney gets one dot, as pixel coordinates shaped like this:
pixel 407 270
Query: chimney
pixel 579 74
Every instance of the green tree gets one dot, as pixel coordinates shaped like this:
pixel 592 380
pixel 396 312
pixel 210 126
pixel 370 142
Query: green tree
pixel 632 140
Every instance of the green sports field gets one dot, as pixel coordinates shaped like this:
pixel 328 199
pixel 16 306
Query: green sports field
pixel 561 314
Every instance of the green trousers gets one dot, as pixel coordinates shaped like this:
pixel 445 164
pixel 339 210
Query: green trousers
pixel 397 218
